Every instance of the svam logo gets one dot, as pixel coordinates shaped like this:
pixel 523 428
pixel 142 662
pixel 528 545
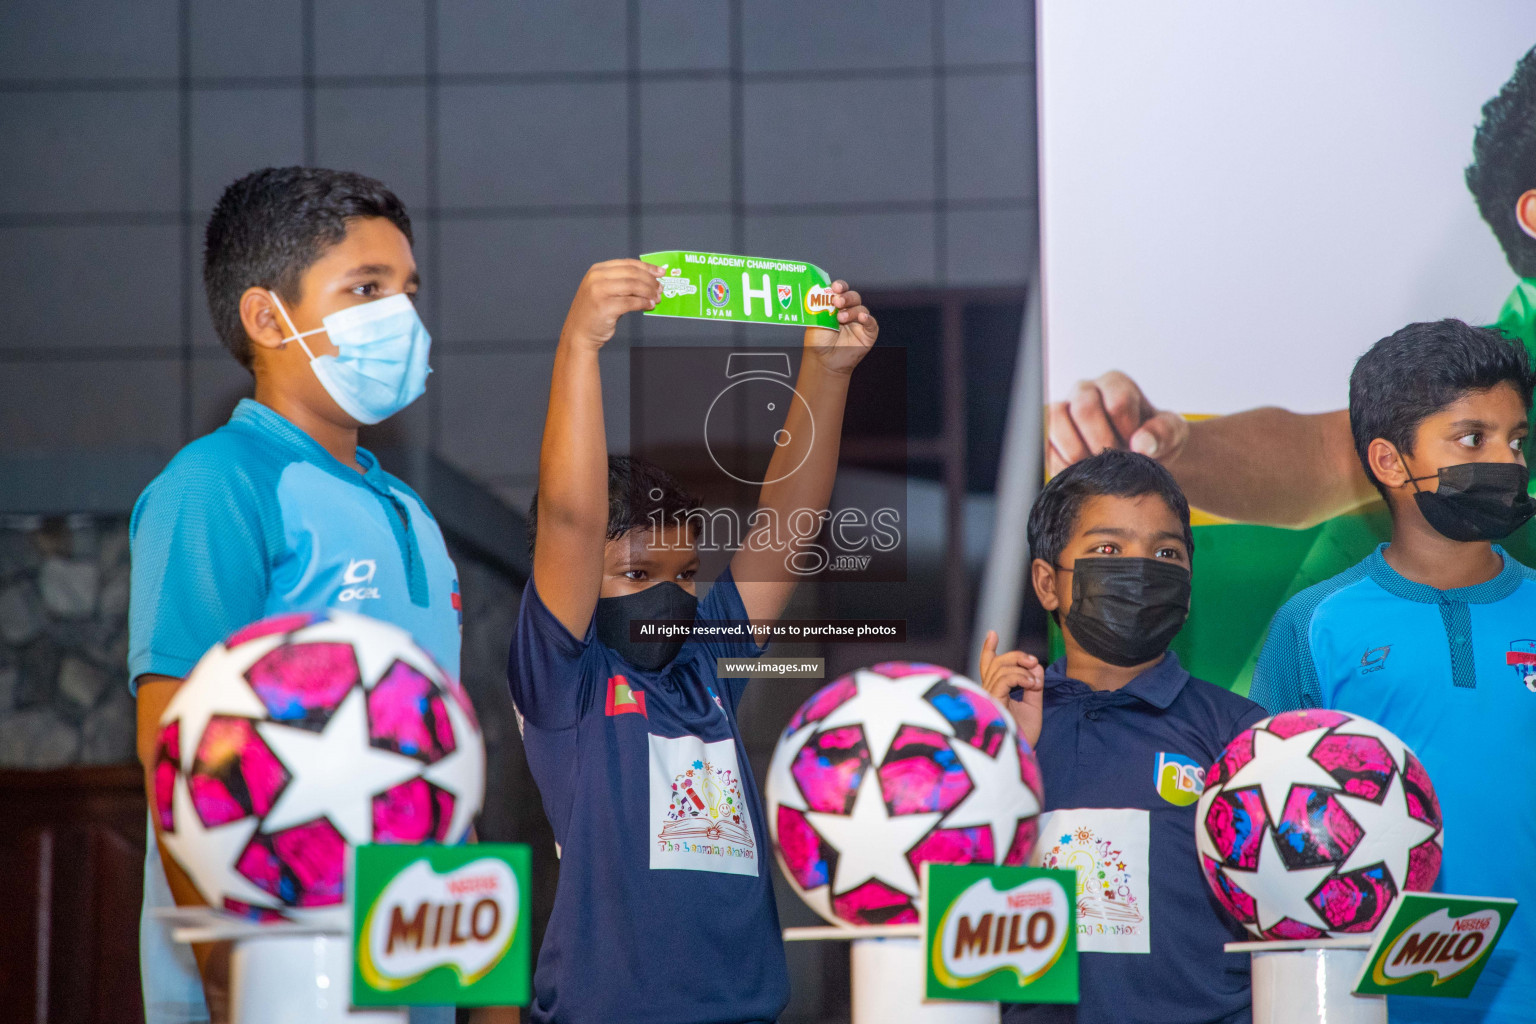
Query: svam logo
pixel 1178 779
pixel 718 293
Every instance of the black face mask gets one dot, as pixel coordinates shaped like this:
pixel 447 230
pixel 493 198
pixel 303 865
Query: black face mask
pixel 1477 500
pixel 664 600
pixel 1125 611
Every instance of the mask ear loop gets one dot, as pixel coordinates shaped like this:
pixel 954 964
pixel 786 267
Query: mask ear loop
pixel 298 335
pixel 1415 479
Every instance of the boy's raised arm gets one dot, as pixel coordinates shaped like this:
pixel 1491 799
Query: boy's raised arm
pixel 762 568
pixel 573 460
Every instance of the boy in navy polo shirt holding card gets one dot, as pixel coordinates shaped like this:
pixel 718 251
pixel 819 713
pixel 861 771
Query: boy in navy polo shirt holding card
pixel 1123 734
pixel 664 910
pixel 1433 635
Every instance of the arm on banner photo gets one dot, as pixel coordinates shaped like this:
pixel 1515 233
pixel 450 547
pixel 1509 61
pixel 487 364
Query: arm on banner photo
pixel 1268 466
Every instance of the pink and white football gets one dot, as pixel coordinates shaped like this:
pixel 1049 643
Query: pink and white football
pixel 889 767
pixel 1313 821
pixel 299 737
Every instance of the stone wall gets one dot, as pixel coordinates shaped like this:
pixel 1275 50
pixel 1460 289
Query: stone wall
pixel 64 642
pixel 64 647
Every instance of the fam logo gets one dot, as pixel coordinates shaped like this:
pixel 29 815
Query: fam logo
pixel 1439 944
pixel 1178 779
pixel 786 295
pixel 984 931
pixel 463 920
pixel 718 293
pixel 1374 659
pixel 357 578
pixel 1522 656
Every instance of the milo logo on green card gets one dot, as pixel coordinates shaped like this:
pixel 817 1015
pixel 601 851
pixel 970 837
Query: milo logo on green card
pixel 1434 945
pixel 746 289
pixel 440 925
pixel 1000 933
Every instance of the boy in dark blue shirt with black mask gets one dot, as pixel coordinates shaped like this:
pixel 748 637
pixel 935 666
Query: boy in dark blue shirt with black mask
pixel 1123 735
pixel 664 910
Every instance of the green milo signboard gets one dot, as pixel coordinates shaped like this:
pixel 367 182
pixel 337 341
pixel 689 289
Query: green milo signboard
pixel 743 289
pixel 1434 945
pixel 437 925
pixel 999 933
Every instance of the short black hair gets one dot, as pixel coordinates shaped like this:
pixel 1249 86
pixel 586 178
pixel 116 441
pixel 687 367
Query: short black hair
pixel 271 226
pixel 1413 373
pixel 1504 163
pixel 1111 472
pixel 637 492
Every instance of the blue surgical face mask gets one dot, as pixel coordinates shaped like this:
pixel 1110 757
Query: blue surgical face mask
pixel 380 365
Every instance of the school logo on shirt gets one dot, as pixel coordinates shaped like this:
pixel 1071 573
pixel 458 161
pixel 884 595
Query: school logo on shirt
pixel 1374 659
pixel 1108 847
pixel 624 699
pixel 357 578
pixel 700 820
pixel 1178 779
pixel 1522 656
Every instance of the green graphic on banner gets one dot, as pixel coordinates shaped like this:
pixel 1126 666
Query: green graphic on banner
pixel 743 289
pixel 999 933
pixel 437 925
pixel 1434 945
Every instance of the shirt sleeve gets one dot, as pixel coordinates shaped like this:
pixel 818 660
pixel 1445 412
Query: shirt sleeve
pixel 545 666
pixel 1285 677
pixel 199 568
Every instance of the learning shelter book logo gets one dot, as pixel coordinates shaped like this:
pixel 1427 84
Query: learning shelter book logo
pixel 707 803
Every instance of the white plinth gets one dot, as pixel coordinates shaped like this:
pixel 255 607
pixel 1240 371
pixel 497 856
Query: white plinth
pixel 888 983
pixel 297 979
pixel 1310 983
pixel 282 973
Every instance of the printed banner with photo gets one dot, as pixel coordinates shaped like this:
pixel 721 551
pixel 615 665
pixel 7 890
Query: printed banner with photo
pixel 1236 202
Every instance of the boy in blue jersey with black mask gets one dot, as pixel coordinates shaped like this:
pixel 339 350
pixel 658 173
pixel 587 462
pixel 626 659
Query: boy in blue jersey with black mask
pixel 1123 734
pixel 309 277
pixel 1433 635
pixel 664 909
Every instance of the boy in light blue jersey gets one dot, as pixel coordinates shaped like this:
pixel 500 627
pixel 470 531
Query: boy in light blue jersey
pixel 309 275
pixel 1433 635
